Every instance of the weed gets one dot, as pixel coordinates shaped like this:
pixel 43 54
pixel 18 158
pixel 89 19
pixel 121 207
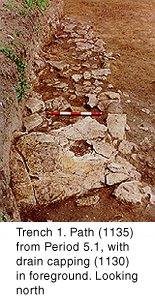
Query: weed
pixel 36 28
pixel 9 4
pixel 41 5
pixel 2 158
pixel 22 13
pixel 22 89
pixel 3 139
pixel 18 33
pixel 3 217
pixel 21 65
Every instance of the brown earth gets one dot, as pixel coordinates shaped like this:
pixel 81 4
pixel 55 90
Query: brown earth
pixel 128 28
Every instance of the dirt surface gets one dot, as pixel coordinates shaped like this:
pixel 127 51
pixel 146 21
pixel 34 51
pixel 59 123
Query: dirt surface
pixel 128 29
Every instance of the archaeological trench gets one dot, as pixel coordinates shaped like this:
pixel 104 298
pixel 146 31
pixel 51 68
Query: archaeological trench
pixel 66 168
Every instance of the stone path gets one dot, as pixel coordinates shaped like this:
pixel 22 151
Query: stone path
pixel 59 157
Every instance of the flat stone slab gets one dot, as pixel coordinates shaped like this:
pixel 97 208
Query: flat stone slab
pixel 115 178
pixel 32 121
pixel 84 129
pixel 35 105
pixel 116 124
pixel 103 148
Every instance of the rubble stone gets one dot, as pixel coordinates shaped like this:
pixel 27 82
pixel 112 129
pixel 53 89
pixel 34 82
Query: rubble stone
pixel 76 77
pixel 121 165
pixel 57 104
pixel 87 75
pixel 87 200
pixel 132 191
pixel 126 147
pixel 92 100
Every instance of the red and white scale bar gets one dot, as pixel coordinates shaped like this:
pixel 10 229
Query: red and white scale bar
pixel 68 113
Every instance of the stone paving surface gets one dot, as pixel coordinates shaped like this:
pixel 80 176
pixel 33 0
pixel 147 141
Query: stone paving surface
pixel 72 75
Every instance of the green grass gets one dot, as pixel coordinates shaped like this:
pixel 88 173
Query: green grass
pixel 2 217
pixel 21 65
pixel 41 5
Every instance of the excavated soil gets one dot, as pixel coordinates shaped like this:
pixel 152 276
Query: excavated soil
pixel 126 30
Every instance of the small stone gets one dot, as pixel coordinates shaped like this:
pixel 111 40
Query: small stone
pixel 32 121
pixel 107 99
pixel 86 65
pixel 94 66
pixel 134 156
pixel 100 72
pixel 69 27
pixel 61 85
pixel 72 97
pixel 125 94
pixel 127 127
pixel 125 147
pixel 83 46
pixel 58 64
pixel 116 124
pixel 87 83
pixel 86 75
pixel 76 77
pixel 146 110
pixel 87 200
pixel 113 95
pixel 57 104
pixel 97 82
pixel 98 89
pixel 143 127
pixel 110 86
pixel 92 100
pixel 76 68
